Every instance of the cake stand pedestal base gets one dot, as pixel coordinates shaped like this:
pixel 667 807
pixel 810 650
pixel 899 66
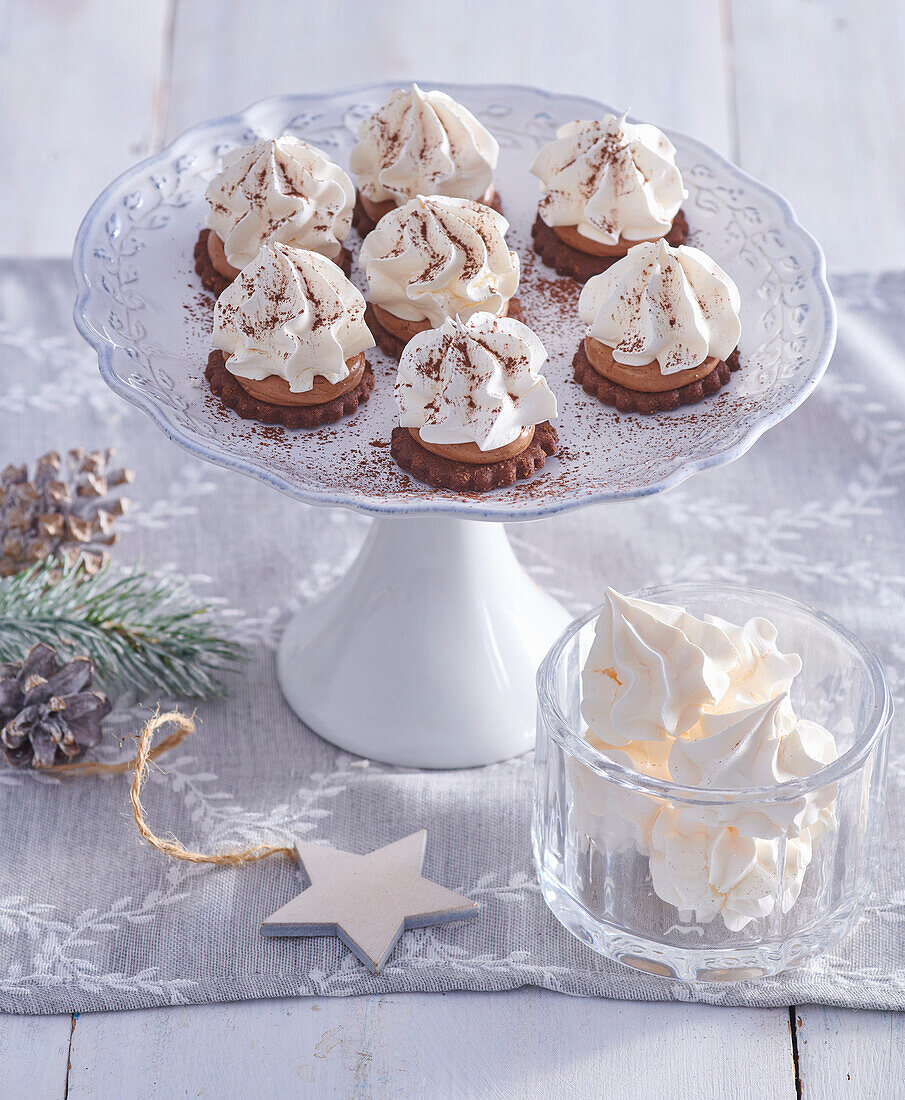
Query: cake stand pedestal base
pixel 425 653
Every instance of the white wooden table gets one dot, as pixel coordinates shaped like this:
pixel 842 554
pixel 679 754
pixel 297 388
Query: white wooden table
pixel 808 96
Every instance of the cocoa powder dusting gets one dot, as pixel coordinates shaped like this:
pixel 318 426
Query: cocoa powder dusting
pixel 600 450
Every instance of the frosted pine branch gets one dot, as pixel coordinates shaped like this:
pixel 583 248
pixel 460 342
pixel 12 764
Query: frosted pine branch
pixel 140 631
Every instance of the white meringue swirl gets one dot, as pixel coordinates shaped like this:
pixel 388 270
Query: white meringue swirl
pixel 616 816
pixel 705 870
pixel 757 746
pixel 610 179
pixel 423 143
pixel 737 748
pixel 675 306
pixel 651 670
pixel 474 381
pixel 763 671
pixel 438 257
pixel 280 190
pixel 702 703
pixel 291 313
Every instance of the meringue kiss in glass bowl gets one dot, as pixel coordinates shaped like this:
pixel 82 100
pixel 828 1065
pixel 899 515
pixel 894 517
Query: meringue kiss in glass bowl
pixel 709 780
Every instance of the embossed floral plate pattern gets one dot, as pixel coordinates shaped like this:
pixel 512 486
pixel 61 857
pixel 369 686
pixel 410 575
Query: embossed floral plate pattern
pixel 142 307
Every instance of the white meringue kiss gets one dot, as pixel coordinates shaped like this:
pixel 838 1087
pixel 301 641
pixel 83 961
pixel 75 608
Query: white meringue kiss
pixel 474 381
pixel 705 871
pixel 610 179
pixel 675 306
pixel 293 314
pixel 438 257
pixel 756 746
pixel 651 670
pixel 281 190
pixel 423 143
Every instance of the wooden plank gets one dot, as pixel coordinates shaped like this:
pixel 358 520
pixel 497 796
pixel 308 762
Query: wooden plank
pixel 821 105
pixel 592 49
pixel 34 1051
pixel 80 85
pixel 844 1053
pixel 527 1043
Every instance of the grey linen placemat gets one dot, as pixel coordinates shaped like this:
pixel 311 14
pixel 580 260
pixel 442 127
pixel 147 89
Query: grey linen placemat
pixel 92 919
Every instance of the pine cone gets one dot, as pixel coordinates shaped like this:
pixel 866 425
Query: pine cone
pixel 60 513
pixel 47 714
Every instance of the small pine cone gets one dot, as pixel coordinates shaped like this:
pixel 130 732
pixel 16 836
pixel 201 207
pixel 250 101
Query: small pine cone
pixel 51 525
pixel 47 714
pixel 13 475
pixel 64 511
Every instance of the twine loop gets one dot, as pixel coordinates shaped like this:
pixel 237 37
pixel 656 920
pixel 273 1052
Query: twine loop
pixel 145 754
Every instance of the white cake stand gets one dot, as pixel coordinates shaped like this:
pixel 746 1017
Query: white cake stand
pixel 425 653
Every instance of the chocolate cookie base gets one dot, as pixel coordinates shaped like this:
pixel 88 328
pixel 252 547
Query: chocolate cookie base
pixel 466 477
pixel 393 346
pixel 364 223
pixel 581 266
pixel 212 280
pixel 626 400
pixel 234 397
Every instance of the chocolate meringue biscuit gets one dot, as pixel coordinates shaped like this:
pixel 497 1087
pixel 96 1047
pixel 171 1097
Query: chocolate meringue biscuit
pixel 662 329
pixel 292 332
pixel 474 407
pixel 280 190
pixel 608 184
pixel 420 143
pixel 437 257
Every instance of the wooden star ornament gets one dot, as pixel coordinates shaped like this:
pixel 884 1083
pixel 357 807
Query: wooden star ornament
pixel 367 901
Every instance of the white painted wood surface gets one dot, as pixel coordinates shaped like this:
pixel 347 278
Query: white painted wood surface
pixel 810 97
pixel 851 1054
pixel 820 97
pixel 529 1043
pixel 34 1052
pixel 586 47
pixel 80 100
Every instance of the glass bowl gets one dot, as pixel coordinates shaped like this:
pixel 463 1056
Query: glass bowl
pixel 593 818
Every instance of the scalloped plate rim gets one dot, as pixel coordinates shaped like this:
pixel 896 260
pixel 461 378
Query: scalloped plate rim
pixel 441 505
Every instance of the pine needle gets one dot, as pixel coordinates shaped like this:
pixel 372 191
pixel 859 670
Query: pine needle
pixel 140 631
